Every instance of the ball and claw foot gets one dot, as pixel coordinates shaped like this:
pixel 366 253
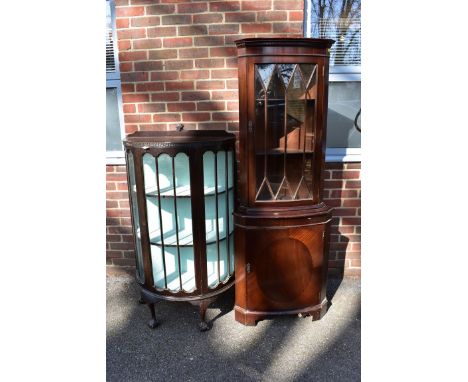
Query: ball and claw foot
pixel 202 306
pixel 203 326
pixel 152 323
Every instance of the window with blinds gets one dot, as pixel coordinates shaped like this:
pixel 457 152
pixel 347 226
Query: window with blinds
pixel 111 57
pixel 114 113
pixel 339 20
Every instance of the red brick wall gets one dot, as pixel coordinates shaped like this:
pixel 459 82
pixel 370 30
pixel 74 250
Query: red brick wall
pixel 178 65
pixel 342 191
pixel 120 249
pixel 178 59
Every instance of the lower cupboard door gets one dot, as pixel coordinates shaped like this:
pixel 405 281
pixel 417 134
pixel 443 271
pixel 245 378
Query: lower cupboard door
pixel 284 268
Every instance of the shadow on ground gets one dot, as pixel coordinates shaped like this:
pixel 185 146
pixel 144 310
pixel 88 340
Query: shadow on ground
pixel 281 349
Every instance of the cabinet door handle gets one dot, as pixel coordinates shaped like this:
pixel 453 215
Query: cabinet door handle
pixel 250 126
pixel 247 267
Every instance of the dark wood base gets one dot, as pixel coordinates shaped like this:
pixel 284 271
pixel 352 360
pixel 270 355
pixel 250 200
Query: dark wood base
pixel 250 318
pixel 202 302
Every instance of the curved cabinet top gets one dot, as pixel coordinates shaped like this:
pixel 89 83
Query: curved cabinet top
pixel 250 47
pixel 178 139
pixel 305 42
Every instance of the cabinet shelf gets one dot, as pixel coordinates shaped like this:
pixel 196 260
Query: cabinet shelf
pixel 187 272
pixel 183 191
pixel 185 238
pixel 188 280
pixel 281 152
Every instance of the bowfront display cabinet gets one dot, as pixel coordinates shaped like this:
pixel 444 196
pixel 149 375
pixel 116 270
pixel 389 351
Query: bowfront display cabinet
pixel 281 222
pixel 181 189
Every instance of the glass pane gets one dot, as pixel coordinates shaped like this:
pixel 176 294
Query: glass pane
pixel 341 21
pixel 307 70
pixel 344 104
pixel 275 131
pixel 214 227
pixel 182 174
pixel 295 115
pixel 208 172
pixel 284 133
pixel 113 135
pixel 263 75
pixel 169 214
pixel 218 214
pixel 260 138
pixel 276 87
pixel 230 210
pixel 275 151
pixel 221 168
pixel 286 71
pixel 183 212
pixel 230 169
pixel 312 84
pixel 171 255
pixel 136 218
pixel 152 208
pixel 222 219
pixel 295 139
pixel 166 185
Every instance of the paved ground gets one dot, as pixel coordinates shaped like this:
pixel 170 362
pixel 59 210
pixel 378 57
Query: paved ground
pixel 283 349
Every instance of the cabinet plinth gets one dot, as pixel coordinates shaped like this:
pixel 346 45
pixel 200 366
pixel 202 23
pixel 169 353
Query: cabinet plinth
pixel 281 223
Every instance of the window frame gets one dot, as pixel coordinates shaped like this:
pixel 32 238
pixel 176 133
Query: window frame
pixel 347 73
pixel 113 81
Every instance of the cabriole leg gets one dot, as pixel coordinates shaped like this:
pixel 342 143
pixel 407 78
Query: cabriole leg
pixel 152 323
pixel 202 306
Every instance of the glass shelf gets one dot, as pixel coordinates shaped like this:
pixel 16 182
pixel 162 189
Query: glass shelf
pixel 187 273
pixel 182 191
pixel 184 219
pixel 281 152
pixel 185 238
pixel 167 261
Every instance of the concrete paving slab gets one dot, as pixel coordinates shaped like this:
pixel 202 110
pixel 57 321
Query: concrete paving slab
pixel 280 349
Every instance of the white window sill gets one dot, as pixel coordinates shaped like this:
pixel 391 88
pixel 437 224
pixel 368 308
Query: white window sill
pixel 115 158
pixel 343 155
pixel 344 77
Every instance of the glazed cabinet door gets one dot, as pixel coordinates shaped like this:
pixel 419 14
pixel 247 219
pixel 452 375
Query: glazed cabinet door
pixel 284 269
pixel 284 132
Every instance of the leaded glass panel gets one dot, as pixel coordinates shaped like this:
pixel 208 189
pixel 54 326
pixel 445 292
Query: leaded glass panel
pixel 284 135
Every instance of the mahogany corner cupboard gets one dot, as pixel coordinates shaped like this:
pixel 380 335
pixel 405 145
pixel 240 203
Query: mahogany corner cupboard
pixel 181 188
pixel 281 224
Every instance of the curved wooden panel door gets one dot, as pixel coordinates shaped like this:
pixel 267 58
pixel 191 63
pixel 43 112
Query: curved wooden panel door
pixel 284 268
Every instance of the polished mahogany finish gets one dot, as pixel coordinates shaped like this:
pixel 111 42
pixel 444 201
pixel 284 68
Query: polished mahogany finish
pixel 281 223
pixel 181 189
